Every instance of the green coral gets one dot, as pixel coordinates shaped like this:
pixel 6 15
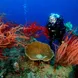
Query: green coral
pixel 68 26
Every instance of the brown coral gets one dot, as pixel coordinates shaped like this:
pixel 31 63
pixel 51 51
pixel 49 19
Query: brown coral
pixel 39 51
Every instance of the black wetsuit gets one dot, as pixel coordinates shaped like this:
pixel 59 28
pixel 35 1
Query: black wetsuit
pixel 58 31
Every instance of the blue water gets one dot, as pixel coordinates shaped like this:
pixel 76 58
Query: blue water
pixel 21 11
pixel 25 11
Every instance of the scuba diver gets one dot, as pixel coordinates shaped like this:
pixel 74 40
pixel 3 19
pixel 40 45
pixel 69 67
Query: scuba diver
pixel 56 28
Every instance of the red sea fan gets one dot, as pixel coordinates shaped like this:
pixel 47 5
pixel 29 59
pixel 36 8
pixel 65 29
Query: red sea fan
pixel 35 30
pixel 67 53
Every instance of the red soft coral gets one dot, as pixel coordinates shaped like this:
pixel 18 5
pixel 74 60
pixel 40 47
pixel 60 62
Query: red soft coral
pixel 35 30
pixel 67 53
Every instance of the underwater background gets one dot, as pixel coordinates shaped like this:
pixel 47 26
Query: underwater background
pixel 28 11
pixel 21 11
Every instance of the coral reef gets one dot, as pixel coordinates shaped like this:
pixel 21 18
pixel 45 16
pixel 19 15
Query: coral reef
pixel 67 52
pixel 44 70
pixel 22 56
pixel 13 40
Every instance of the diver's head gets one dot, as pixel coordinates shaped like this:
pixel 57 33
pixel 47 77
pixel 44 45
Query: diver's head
pixel 53 18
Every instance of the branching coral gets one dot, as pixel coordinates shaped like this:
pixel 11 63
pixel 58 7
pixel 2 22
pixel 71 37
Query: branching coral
pixel 10 32
pixel 8 35
pixel 35 30
pixel 67 53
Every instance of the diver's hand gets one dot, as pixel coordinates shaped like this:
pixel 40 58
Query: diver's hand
pixel 62 41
